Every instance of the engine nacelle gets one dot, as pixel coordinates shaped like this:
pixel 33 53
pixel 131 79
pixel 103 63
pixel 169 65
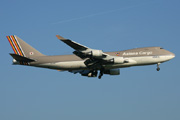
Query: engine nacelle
pixel 116 60
pixel 112 72
pixel 94 53
pixel 97 53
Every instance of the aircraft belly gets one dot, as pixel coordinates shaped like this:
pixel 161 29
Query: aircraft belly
pixel 138 61
pixel 145 60
pixel 150 59
pixel 70 65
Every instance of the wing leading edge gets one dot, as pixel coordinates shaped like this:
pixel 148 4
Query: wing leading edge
pixel 72 44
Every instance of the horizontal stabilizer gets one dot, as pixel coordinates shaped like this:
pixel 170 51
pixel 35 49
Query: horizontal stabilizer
pixel 21 58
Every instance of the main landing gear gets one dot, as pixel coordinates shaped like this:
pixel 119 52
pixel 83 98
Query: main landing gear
pixel 94 73
pixel 158 68
pixel 101 73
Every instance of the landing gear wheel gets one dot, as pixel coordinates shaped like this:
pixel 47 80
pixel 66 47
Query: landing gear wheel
pixel 158 69
pixel 101 73
pixel 94 73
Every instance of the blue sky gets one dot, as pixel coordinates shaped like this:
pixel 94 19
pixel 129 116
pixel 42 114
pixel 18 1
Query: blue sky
pixel 139 93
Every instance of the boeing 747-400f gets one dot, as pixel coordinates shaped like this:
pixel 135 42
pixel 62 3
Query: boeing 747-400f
pixel 85 60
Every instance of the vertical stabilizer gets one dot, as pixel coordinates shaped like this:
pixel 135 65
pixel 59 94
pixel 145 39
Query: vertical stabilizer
pixel 22 48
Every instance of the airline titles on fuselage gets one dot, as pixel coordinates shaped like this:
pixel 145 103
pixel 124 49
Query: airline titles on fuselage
pixel 137 53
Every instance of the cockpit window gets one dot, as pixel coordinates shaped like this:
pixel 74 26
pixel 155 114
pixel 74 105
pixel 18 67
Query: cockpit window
pixel 161 48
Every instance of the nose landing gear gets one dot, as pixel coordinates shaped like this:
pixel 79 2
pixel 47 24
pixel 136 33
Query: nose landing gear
pixel 158 68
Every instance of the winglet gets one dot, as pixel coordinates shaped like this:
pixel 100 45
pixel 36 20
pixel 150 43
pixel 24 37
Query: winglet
pixel 60 37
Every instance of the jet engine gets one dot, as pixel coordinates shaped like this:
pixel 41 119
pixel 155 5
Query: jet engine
pixel 112 72
pixel 94 53
pixel 116 60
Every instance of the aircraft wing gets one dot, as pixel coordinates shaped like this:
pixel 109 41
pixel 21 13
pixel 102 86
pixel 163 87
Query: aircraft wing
pixel 93 57
pixel 81 50
pixel 72 44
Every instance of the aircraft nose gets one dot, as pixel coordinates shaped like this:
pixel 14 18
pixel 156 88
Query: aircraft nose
pixel 172 55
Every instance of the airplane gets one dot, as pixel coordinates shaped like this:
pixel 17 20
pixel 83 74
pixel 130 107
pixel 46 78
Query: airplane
pixel 87 61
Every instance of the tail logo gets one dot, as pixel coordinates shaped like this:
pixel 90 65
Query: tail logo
pixel 31 53
pixel 15 45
